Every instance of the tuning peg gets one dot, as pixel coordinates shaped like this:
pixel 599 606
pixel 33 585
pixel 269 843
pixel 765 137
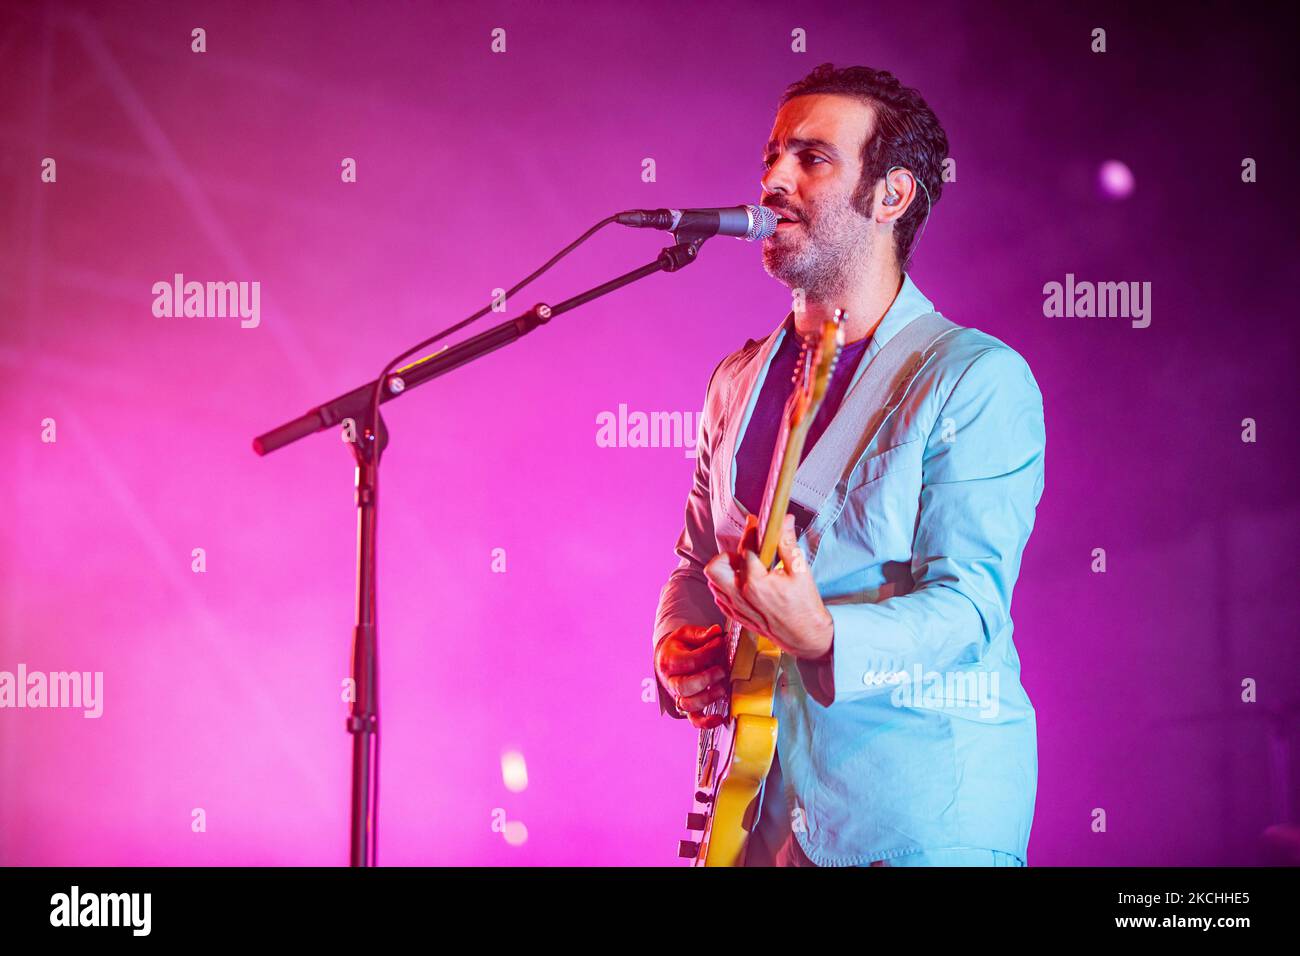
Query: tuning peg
pixel 696 821
pixel 703 796
pixel 688 849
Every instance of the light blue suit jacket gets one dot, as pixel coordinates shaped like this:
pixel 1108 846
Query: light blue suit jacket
pixel 916 734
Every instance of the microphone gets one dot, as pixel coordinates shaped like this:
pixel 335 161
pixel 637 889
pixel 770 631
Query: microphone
pixel 743 222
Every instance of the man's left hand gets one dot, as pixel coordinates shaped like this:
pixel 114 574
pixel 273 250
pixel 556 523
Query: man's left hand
pixel 782 604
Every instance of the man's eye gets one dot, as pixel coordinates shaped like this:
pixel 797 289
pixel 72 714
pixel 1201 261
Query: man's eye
pixel 810 158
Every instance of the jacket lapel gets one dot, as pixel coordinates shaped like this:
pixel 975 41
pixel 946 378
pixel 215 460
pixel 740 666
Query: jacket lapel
pixel 744 389
pixel 909 304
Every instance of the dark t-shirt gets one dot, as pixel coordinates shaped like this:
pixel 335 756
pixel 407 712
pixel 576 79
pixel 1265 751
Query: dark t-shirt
pixel 754 458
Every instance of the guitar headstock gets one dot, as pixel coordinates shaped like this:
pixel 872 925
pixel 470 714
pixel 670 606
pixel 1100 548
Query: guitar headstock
pixel 817 359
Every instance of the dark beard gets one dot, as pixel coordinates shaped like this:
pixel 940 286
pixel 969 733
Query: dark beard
pixel 829 255
pixel 819 270
pixel 799 270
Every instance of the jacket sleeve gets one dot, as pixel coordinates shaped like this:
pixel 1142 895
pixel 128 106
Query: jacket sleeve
pixel 982 478
pixel 686 598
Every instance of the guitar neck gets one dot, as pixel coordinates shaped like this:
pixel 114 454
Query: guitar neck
pixel 779 496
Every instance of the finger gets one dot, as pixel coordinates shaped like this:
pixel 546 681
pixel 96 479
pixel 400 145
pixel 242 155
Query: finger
pixel 721 571
pixel 736 561
pixel 692 660
pixel 747 619
pixel 705 721
pixel 707 655
pixel 688 685
pixel 726 603
pixel 744 609
pixel 735 606
pixel 792 556
pixel 787 531
pixel 697 633
pixel 697 702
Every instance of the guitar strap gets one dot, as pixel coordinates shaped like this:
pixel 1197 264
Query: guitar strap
pixel 820 484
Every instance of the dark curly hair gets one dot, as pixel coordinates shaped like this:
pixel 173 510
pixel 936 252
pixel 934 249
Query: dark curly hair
pixel 907 134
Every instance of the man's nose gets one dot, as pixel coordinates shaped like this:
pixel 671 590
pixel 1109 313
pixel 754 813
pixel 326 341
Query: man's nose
pixel 777 179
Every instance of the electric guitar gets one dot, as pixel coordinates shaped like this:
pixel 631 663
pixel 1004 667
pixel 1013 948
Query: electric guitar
pixel 735 757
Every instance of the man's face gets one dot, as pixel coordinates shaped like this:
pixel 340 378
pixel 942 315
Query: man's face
pixel 813 163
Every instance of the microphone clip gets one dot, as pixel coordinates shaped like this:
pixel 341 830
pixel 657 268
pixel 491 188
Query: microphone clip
pixel 683 254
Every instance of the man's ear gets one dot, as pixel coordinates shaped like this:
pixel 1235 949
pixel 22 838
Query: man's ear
pixel 894 195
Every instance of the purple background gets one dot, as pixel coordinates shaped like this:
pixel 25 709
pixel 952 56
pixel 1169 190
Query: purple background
pixel 222 689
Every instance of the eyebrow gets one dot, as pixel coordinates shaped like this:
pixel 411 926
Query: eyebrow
pixel 798 143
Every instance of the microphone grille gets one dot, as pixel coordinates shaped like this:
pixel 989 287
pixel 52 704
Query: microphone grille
pixel 762 223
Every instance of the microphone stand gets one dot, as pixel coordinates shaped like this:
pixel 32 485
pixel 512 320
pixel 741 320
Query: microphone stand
pixel 363 718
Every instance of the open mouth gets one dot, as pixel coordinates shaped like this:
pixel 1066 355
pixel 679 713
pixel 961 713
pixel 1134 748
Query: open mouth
pixel 785 220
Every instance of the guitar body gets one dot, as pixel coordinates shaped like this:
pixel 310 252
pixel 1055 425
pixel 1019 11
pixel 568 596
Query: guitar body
pixel 741 755
pixel 734 758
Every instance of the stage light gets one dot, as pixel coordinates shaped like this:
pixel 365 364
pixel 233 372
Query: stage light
pixel 514 771
pixel 515 832
pixel 1115 180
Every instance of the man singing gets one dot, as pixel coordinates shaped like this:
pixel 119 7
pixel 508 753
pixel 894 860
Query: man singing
pixel 905 736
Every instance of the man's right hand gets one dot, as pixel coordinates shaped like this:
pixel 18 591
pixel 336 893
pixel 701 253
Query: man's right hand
pixel 691 662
